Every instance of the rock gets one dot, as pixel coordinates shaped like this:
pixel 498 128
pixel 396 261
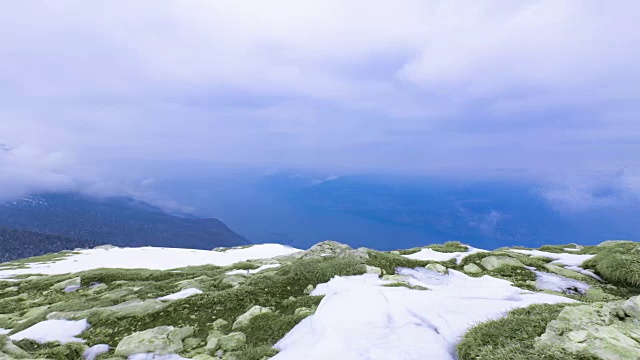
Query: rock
pixel 243 320
pixel 191 343
pixel 161 340
pixel 632 307
pixel 66 284
pixel 10 349
pixel 36 312
pixel 493 262
pixel 599 330
pixel 212 345
pixel 333 248
pixel 373 270
pixel 219 324
pixel 215 334
pixel 472 269
pixel 304 311
pixel 233 341
pixel 96 288
pixel 565 272
pixel 128 308
pixel 309 289
pixel 436 267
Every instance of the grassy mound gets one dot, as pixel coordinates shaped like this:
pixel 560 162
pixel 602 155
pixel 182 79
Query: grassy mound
pixel 618 264
pixel 512 337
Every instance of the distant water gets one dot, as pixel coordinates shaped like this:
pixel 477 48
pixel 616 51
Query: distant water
pixel 350 212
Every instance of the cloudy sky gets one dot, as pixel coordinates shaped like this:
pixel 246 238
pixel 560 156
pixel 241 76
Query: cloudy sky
pixel 93 89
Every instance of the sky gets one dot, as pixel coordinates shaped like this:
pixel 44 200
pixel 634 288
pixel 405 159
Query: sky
pixel 95 94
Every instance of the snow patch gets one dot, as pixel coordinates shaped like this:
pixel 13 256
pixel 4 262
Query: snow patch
pixel 584 271
pixel 359 319
pixel 4 331
pixel 554 282
pixel 93 352
pixel 563 258
pixel 151 258
pixel 181 294
pixel 429 254
pixel 63 331
pixel 254 271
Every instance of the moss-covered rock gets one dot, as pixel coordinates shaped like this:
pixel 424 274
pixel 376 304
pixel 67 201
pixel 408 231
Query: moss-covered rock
pixel 494 262
pixel 161 340
pixel 232 341
pixel 609 331
pixel 244 319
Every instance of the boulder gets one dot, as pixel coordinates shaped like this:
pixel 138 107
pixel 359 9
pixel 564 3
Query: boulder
pixel 373 270
pixel 127 308
pixel 161 340
pixel 219 324
pixel 333 248
pixel 472 269
pixel 304 311
pixel 600 330
pixel 436 267
pixel 493 262
pixel 243 320
pixel 632 307
pixel 233 341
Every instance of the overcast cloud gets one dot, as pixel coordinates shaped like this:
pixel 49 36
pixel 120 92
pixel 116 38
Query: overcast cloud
pixel 344 86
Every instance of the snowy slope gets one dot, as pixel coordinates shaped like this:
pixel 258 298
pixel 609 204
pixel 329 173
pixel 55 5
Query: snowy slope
pixel 150 258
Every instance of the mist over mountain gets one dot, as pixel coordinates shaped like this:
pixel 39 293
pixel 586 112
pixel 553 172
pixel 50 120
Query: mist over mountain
pixel 114 220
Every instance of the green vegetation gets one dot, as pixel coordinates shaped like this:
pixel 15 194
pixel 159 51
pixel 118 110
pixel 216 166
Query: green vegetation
pixel 389 262
pixel 519 276
pixel 512 337
pixel 449 247
pixel 618 264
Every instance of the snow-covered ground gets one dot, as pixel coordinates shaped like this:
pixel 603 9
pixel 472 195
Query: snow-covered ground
pixel 360 319
pixel 63 331
pixel 150 258
pixel 429 254
pixel 181 294
pixel 563 259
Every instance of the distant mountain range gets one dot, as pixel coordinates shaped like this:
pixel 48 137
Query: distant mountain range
pixel 118 221
pixel 18 244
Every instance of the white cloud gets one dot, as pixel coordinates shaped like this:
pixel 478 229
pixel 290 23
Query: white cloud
pixel 408 86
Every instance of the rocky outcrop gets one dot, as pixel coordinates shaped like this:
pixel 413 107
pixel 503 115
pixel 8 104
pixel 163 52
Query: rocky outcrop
pixel 244 319
pixel 608 331
pixel 493 262
pixel 161 340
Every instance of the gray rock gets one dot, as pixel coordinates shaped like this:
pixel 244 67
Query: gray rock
pixel 472 269
pixel 373 270
pixel 632 307
pixel 304 311
pixel 233 341
pixel 436 267
pixel 493 262
pixel 161 340
pixel 243 320
pixel 219 324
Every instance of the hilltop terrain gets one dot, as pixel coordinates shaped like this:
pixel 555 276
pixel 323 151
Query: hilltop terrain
pixel 443 301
